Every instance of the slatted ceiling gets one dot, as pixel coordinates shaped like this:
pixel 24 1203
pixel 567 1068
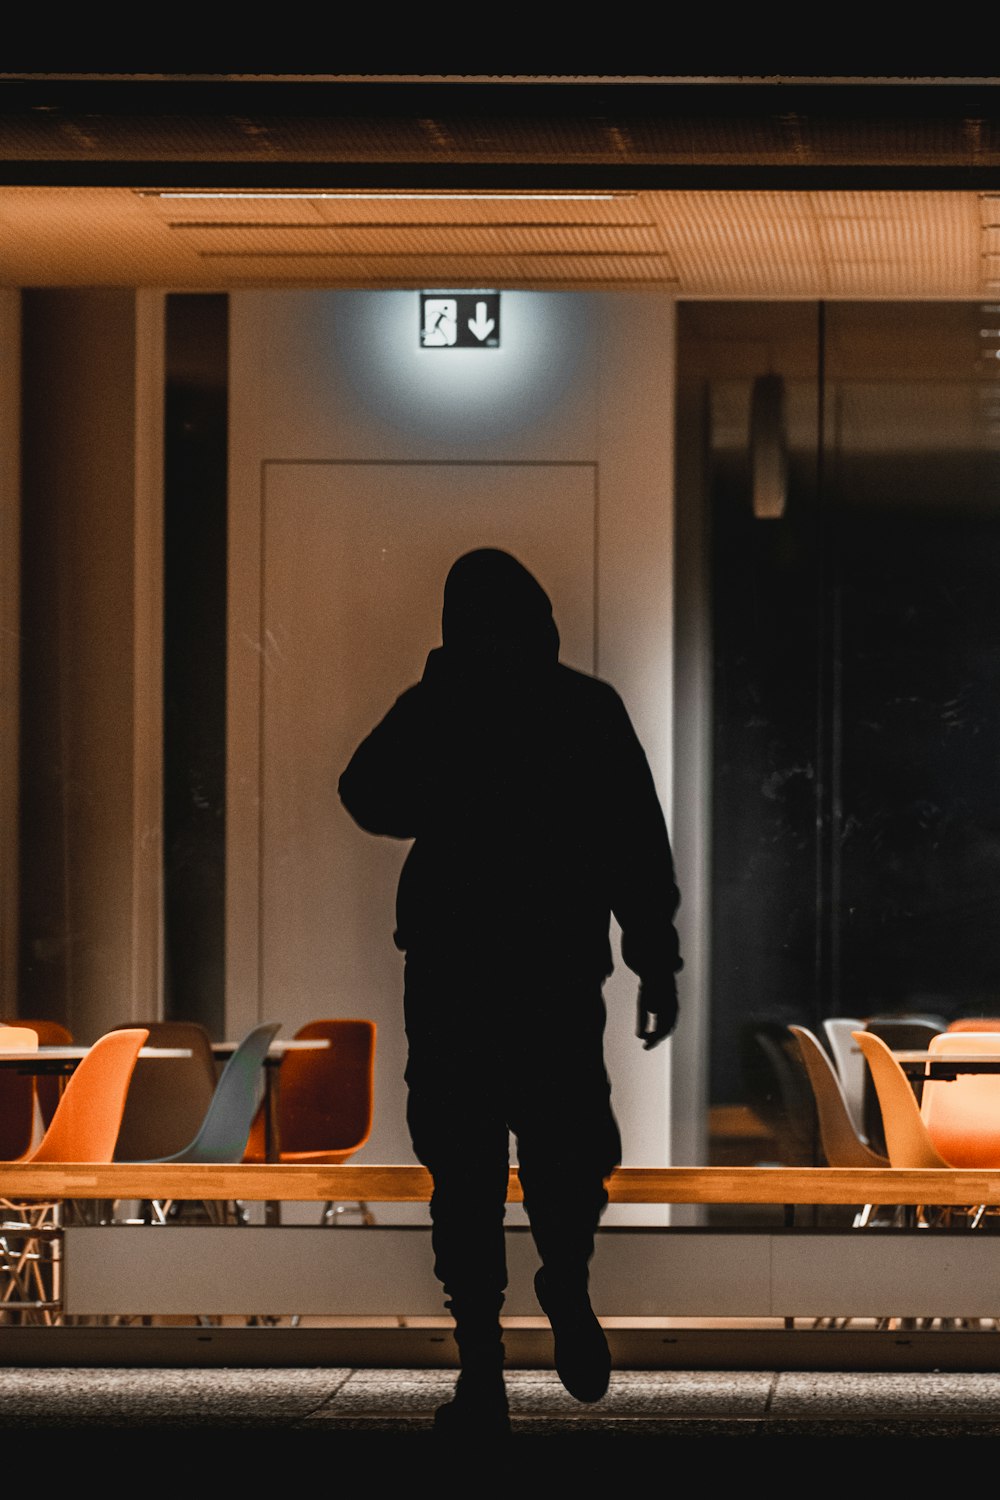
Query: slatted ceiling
pixel 75 237
pixel 749 245
pixel 837 244
pixel 626 209
pixel 349 230
pixel 411 218
pixel 920 214
pixel 925 245
pixel 178 212
pixel 893 241
pixel 525 273
pixel 428 241
pixel 414 211
pixel 697 244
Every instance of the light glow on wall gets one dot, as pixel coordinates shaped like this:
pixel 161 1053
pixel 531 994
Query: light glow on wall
pixel 461 395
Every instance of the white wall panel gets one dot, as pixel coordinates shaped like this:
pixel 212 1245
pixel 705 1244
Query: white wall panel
pixel 354 558
pixel 637 1273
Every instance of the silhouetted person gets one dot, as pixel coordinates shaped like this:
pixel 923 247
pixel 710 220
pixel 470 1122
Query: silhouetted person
pixel 534 818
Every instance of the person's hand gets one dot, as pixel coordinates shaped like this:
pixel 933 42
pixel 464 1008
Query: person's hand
pixel 657 1010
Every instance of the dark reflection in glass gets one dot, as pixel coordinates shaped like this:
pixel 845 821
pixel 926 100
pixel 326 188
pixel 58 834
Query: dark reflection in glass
pixel 855 656
pixel 194 658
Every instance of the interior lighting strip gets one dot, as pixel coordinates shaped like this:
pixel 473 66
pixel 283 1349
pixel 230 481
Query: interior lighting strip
pixel 409 197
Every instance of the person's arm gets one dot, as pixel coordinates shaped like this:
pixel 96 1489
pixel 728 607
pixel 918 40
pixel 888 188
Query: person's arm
pixel 382 785
pixel 645 895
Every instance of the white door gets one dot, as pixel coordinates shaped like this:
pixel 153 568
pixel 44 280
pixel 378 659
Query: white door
pixel 354 558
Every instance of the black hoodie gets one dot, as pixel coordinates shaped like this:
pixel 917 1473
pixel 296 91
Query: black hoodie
pixel 527 795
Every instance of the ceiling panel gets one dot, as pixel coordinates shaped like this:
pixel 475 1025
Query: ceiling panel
pixel 692 244
pixel 584 183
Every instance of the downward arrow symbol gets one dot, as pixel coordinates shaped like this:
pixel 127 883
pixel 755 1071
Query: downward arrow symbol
pixel 481 326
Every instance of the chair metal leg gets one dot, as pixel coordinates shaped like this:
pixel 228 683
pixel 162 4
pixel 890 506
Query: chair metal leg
pixel 12 1266
pixel 227 1211
pixel 333 1212
pixel 31 1262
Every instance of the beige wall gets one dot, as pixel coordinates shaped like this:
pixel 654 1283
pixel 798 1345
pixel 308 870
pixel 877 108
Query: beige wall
pixel 338 378
pixel 89 744
pixel 10 597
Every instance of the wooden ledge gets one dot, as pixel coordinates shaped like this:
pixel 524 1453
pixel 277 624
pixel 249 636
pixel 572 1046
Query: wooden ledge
pixel 412 1184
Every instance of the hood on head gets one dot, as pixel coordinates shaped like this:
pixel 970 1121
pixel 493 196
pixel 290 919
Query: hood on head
pixel 495 608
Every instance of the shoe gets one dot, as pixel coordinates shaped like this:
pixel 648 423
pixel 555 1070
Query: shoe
pixel 477 1410
pixel 582 1356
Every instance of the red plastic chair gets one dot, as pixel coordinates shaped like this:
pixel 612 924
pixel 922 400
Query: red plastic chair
pixel 325 1101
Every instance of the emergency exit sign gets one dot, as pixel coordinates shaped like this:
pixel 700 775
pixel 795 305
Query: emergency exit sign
pixel 460 320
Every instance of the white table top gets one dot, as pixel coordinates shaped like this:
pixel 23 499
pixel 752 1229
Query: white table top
pixel 75 1053
pixel 966 1060
pixel 278 1048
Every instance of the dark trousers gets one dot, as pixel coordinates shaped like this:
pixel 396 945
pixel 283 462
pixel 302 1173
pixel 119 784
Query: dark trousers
pixel 489 1057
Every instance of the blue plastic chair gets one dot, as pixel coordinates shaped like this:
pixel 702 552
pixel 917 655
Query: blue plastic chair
pixel 224 1132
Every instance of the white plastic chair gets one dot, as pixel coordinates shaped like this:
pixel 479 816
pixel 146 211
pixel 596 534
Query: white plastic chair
pixel 849 1061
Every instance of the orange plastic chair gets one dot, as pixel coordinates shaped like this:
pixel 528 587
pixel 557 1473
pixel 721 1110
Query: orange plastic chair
pixel 88 1116
pixel 843 1143
pixel 84 1128
pixel 906 1137
pixel 898 1032
pixel 975 1023
pixel 962 1115
pixel 325 1101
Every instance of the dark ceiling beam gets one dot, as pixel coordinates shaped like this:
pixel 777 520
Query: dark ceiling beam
pixel 315 132
pixel 319 95
pixel 387 177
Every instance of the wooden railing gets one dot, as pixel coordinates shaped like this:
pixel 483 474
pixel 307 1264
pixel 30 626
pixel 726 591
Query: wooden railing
pixel 412 1184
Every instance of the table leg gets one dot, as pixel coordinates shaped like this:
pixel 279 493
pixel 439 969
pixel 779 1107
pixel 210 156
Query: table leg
pixel 272 1207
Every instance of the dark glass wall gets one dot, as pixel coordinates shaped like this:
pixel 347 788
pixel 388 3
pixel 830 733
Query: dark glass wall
pixel 194 651
pixel 855 644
